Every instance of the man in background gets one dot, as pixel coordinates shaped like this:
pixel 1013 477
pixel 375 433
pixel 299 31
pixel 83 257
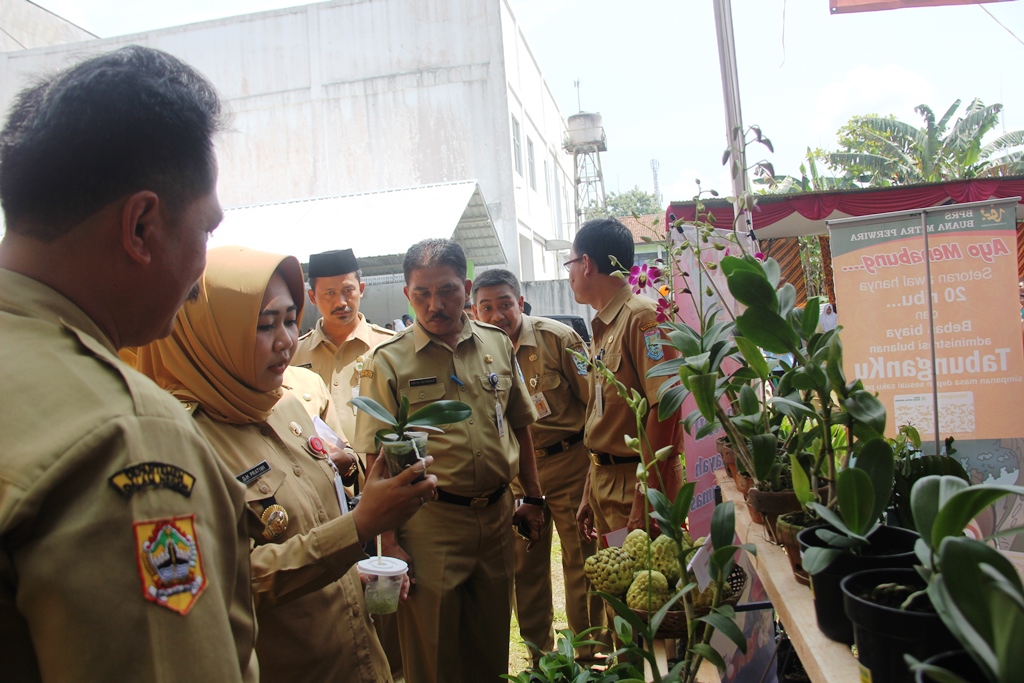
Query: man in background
pixel 625 339
pixel 455 624
pixel 558 385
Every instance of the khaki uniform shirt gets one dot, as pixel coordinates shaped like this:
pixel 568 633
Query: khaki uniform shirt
pixel 624 331
pixel 339 366
pixel 309 388
pixel 313 624
pixel 101 472
pixel 557 382
pixel 472 457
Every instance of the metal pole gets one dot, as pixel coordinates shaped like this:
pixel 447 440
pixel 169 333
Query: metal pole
pixel 931 327
pixel 733 114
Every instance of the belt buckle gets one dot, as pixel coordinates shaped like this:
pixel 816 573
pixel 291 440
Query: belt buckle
pixel 566 445
pixel 540 452
pixel 480 502
pixel 594 459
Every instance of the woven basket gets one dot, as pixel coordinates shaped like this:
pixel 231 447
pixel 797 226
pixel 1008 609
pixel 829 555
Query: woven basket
pixel 674 623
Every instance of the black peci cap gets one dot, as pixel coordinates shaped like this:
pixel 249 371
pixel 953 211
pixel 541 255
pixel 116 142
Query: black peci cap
pixel 331 263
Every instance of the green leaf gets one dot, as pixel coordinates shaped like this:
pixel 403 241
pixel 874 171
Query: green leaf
pixel 753 290
pixel 752 354
pixel 771 270
pixel 703 389
pixel 834 368
pixel 666 368
pixel 817 559
pixel 809 319
pixel 373 409
pixel 750 404
pixel 764 447
pixel 927 497
pixel 681 506
pixel 876 460
pixel 856 497
pixel 733 264
pixel 787 299
pixel 801 483
pixel 671 401
pixel 403 413
pixel 964 506
pixel 793 409
pixel 707 652
pixel 726 627
pixel 865 407
pixel 768 330
pixel 439 413
pixel 723 525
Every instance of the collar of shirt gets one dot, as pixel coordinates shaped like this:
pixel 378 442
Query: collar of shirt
pixel 527 335
pixel 20 294
pixel 362 333
pixel 421 337
pixel 614 305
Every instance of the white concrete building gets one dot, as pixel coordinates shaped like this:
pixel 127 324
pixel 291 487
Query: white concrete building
pixel 357 96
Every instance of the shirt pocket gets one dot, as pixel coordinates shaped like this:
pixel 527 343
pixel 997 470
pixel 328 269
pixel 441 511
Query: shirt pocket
pixel 260 494
pixel 548 381
pixel 612 361
pixel 420 397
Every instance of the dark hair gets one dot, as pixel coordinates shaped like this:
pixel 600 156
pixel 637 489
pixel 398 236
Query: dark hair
pixel 604 237
pixel 130 120
pixel 496 278
pixel 433 253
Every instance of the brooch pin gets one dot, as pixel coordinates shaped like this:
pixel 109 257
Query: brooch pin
pixel 275 521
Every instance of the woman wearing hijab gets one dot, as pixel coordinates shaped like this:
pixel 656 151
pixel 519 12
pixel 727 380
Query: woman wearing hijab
pixel 225 360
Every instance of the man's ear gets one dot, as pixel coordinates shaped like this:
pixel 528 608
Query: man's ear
pixel 141 225
pixel 469 289
pixel 405 290
pixel 312 296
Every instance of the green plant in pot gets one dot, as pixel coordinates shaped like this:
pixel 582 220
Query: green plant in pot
pixel 403 441
pixel 912 465
pixel 854 539
pixel 973 587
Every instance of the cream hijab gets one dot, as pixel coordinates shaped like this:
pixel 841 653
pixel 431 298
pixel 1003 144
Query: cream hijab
pixel 210 356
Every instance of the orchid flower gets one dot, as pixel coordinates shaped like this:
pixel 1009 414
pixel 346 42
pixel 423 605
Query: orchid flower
pixel 643 276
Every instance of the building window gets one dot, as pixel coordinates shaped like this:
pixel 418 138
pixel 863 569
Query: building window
pixel 532 166
pixel 547 184
pixel 517 146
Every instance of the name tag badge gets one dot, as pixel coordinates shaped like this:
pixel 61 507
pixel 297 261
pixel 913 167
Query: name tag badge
pixel 500 417
pixel 599 398
pixel 253 473
pixel 422 381
pixel 355 394
pixel 540 402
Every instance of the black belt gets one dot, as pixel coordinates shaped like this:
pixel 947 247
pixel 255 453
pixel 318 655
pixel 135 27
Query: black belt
pixel 602 459
pixel 559 446
pixel 478 502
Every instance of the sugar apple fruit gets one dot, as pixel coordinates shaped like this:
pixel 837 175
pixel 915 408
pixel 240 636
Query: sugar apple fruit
pixel 665 558
pixel 636 545
pixel 637 596
pixel 610 570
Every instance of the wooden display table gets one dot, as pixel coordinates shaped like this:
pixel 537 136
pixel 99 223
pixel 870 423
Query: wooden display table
pixel 825 661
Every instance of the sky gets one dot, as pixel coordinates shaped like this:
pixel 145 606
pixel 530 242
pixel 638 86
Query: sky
pixel 651 69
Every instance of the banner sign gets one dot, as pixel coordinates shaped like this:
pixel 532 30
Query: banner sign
pixel 960 326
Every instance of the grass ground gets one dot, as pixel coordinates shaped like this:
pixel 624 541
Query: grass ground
pixel 518 653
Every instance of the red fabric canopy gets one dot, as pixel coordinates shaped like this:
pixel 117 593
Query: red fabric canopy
pixel 818 206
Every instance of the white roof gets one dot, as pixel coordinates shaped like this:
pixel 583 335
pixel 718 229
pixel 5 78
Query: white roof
pixel 378 226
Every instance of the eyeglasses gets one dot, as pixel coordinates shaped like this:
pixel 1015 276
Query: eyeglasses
pixel 568 264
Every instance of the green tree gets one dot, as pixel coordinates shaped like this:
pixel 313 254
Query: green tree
pixel 877 151
pixel 631 202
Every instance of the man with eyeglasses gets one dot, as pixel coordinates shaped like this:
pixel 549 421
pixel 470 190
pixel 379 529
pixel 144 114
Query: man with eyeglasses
pixel 625 340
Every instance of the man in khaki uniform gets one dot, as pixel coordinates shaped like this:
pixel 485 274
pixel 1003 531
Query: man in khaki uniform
pixel 337 347
pixel 558 385
pixel 125 556
pixel 455 625
pixel 625 334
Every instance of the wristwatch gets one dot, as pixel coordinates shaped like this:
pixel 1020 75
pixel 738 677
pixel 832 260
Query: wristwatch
pixel 530 500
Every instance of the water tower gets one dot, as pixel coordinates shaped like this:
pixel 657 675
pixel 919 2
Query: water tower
pixel 585 141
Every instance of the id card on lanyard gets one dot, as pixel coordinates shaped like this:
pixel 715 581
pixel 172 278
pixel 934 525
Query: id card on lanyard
pixel 499 416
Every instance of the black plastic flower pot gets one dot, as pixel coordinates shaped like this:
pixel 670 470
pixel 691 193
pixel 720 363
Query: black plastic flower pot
pixel 883 631
pixel 959 662
pixel 889 547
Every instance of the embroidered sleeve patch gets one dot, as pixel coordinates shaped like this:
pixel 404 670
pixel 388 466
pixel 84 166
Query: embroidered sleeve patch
pixel 170 565
pixel 655 351
pixel 152 475
pixel 581 364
